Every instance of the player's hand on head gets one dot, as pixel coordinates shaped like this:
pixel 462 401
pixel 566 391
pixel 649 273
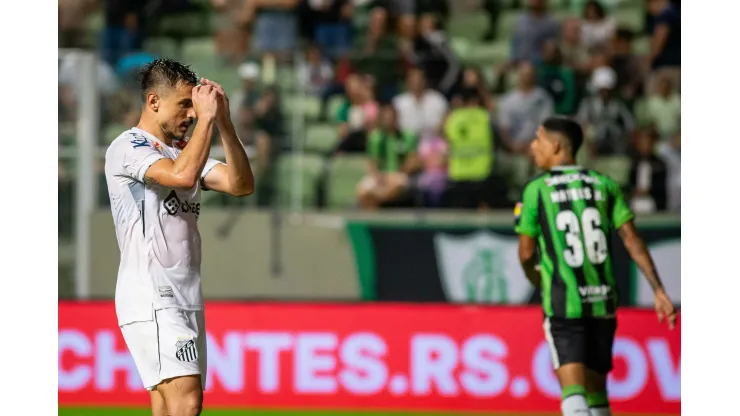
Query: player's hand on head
pixel 205 101
pixel 223 99
pixel 665 310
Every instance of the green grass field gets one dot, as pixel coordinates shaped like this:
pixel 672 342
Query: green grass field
pixel 68 411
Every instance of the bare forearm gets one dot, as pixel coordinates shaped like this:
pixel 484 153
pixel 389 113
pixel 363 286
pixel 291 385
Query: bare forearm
pixel 530 270
pixel 241 178
pixel 192 159
pixel 640 254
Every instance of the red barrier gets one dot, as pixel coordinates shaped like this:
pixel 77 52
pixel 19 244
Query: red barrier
pixel 371 356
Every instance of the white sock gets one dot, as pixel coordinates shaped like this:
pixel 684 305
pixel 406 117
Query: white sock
pixel 600 411
pixel 575 405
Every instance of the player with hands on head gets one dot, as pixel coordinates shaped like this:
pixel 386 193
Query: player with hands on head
pixel 155 175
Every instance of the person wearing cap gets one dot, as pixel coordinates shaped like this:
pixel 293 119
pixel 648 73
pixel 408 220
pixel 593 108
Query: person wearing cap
pixel 607 120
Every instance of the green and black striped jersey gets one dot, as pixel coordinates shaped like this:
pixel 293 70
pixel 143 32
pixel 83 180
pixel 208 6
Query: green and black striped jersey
pixel 571 211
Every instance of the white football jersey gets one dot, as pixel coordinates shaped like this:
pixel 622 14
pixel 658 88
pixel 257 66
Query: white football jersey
pixel 156 228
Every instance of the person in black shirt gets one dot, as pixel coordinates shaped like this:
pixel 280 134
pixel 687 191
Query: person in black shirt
pixel 123 31
pixel 665 51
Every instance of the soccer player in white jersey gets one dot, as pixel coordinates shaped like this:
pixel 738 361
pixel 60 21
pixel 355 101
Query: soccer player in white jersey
pixel 154 176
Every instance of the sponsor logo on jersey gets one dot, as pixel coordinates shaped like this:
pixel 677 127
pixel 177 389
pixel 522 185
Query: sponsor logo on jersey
pixel 186 351
pixel 174 205
pixel 481 267
pixel 571 177
pixel 157 146
pixel 518 210
pixel 140 141
pixel 591 294
pixel 166 292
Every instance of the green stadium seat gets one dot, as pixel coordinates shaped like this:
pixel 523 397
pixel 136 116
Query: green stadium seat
pixel 616 167
pixel 309 106
pixel 486 54
pixel 632 17
pixel 335 103
pixel 515 168
pixel 345 172
pixel 461 47
pixel 201 54
pixel 163 47
pixel 469 26
pixel 642 116
pixel 321 138
pixel 308 168
pixel 641 45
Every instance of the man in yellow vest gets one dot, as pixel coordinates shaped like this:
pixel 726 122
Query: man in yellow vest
pixel 470 162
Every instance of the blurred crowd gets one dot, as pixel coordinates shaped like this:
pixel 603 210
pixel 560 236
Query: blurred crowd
pixel 391 87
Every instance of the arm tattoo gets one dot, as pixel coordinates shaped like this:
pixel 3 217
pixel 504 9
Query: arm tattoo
pixel 148 180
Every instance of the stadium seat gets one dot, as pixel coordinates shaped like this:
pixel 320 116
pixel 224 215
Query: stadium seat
pixel 616 167
pixel 110 132
pixel 641 45
pixel 335 103
pixel 162 47
pixel 345 172
pixel 320 138
pixel 308 105
pixel 487 54
pixel 515 167
pixel 307 168
pixel 201 54
pixel 467 26
pixel 642 117
pixel 632 17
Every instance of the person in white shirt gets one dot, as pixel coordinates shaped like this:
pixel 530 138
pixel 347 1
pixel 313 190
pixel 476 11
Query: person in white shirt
pixel 154 175
pixel 421 110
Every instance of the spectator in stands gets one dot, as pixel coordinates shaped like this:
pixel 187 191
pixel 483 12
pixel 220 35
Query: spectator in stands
pixel 357 115
pixel 472 77
pixel 316 74
pixel 400 12
pixel 377 53
pixel 233 34
pixel 665 42
pixel 574 52
pixel 124 29
pixel 420 110
pixel 392 162
pixel 521 111
pixel 607 121
pixel 249 94
pixel 597 29
pixel 434 56
pixel 470 138
pixel 648 176
pixel 558 80
pixel 275 26
pixel 493 11
pixel 627 66
pixel 437 10
pixel 670 152
pixel 333 27
pixel 73 15
pixel 269 134
pixel 664 108
pixel 433 177
pixel 533 28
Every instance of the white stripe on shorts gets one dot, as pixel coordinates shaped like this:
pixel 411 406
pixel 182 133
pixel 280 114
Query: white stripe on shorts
pixel 551 343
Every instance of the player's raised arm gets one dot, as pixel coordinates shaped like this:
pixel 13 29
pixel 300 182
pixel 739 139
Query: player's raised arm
pixel 623 221
pixel 184 172
pixel 235 177
pixel 528 228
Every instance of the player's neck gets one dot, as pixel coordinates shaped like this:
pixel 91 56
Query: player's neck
pixel 153 128
pixel 563 162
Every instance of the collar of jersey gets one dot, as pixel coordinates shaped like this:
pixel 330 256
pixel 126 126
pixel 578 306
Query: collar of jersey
pixel 566 167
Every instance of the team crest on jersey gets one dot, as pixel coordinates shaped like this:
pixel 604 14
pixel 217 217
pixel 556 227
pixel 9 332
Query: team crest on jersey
pixel 186 351
pixel 518 210
pixel 157 146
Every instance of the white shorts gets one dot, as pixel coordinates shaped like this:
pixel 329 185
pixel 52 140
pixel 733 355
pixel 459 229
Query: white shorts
pixel 172 345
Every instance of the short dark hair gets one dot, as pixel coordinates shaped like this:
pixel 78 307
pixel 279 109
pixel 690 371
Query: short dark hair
pixel 625 34
pixel 568 128
pixel 167 72
pixel 600 11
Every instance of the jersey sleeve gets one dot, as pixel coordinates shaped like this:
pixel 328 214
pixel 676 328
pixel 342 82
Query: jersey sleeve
pixel 525 212
pixel 621 212
pixel 210 164
pixel 137 155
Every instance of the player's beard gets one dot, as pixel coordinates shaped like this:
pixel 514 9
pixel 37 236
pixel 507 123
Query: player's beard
pixel 171 133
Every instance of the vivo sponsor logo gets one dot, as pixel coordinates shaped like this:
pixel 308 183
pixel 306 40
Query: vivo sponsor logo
pixel 323 363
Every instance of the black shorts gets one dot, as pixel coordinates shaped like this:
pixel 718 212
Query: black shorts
pixel 588 341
